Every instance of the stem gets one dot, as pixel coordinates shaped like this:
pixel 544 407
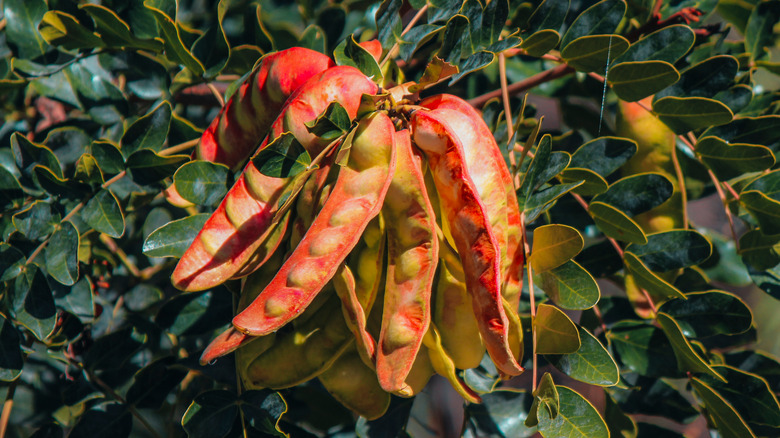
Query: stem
pixel 526 84
pixel 392 52
pixel 113 247
pixel 681 186
pixel 507 108
pixel 216 94
pixel 532 298
pixel 8 405
pixel 179 147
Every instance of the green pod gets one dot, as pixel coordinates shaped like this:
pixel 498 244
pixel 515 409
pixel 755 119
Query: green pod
pixel 445 366
pixel 355 386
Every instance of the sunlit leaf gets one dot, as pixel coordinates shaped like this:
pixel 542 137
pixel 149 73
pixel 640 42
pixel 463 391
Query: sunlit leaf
pixel 591 364
pixel 285 157
pixel 570 286
pixel 687 358
pixel 615 223
pixel 649 280
pixel 202 182
pixel 709 313
pixel 592 182
pixel 546 401
pixel 104 214
pixel 555 332
pixel 554 245
pixel 349 52
pixel 172 239
pixel 577 418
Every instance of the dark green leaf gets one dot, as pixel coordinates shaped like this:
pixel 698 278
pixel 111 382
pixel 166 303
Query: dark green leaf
pixel 592 182
pixel 649 280
pixel 619 424
pixel 635 80
pixel 11 262
pixel 683 114
pixel 477 61
pixel 390 425
pixel 113 350
pixel 710 313
pixel 104 214
pixel 644 349
pixel 671 250
pixel 541 42
pixel 577 418
pixel 29 154
pixel 615 223
pixel 388 23
pixel 731 160
pixel 11 194
pixel 546 397
pixel 759 250
pixel 142 297
pixel 687 357
pixel 591 364
pixel 758 363
pixel 36 221
pixel 542 200
pixel 730 424
pixel 753 130
pixel 331 124
pixel 22 30
pixel 658 397
pixel 111 420
pixel 668 44
pixel 108 156
pixel 534 174
pixel 148 132
pixel 61 29
pixel 759 30
pixel 175 48
pixel 349 52
pixel 764 209
pixel 212 48
pixel 115 32
pixel 637 193
pixel 88 171
pixel 604 155
pixel 749 394
pixel 62 252
pixel 501 414
pixel 285 157
pixel 33 304
pixel 600 19
pixel 147 167
pixel 195 313
pixel 768 281
pixel 570 286
pixel 263 411
pixel 11 361
pixel 78 300
pixel 202 182
pixel 705 79
pixel 153 383
pixel 56 186
pixel 555 332
pixel 736 98
pixel 210 415
pixel 594 52
pixel 549 15
pixel 173 238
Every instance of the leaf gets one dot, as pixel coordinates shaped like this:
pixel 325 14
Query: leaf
pixel 456 36
pixel 212 48
pixel 263 411
pixel 313 37
pixel 108 156
pixel 635 80
pixel 104 214
pixel 78 300
pixel 11 194
pixel 331 124
pixel 173 238
pixel 759 250
pixel 550 14
pixel 202 182
pixel 149 131
pixel 475 62
pixel 736 98
pixel 115 32
pixel 29 154
pixel 674 249
pixel 541 42
pixel 388 23
pixel 113 350
pixel 731 160
pixel 591 364
pixel 537 172
pixel 555 332
pixel 604 155
pixel 501 414
pixel 349 52
pixel 619 424
pixel 174 46
pixel 763 130
pixel 637 194
pixel 570 286
pixel 62 252
pixel 592 182
pixel 147 167
pixel 11 262
pixel 683 114
pixel 546 396
pixel 594 52
pixel 704 79
pixel 644 349
pixel 391 424
pixel 728 421
pixel 285 157
pixel 11 362
pixel 110 420
pixel 709 313
pixel 435 71
pixel 615 223
pixel 647 279
pixel 668 44
pixel 763 208
pixel 152 383
pixel 540 201
pixel 759 29
pixel 23 17
pixel 61 29
pixel 554 245
pixel 687 358
pixel 758 363
pixel 749 394
pixel 88 171
pixel 33 304
pixel 36 220
pixel 600 19
pixel 577 418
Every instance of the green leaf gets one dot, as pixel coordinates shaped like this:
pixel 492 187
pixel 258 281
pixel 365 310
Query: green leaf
pixel 147 167
pixel 604 155
pixel 644 349
pixel 313 37
pixel 758 363
pixel 494 18
pixel 111 420
pixel 263 411
pixel 672 250
pixel 62 252
pixel 113 350
pixel 704 79
pixel 388 23
pixel 537 172
pixel 11 361
pixel 173 238
pixel 602 18
pixel 635 80
pixel 541 42
pixel 61 29
pixel 619 424
pixel 570 286
pixel 36 220
pixel 149 131
pixel 331 124
pixel 759 30
pixel 212 48
pixel 456 35
pixel 475 62
pixel 152 383
pixel 211 414
pixel 637 194
pixel 29 154
pixel 549 15
pixel 87 170
pixel 546 397
pixel 736 98
pixel 649 280
pixel 683 114
pixel 591 364
pixel 541 200
pixel 577 418
pixel 764 209
pixel 285 157
pixel 50 183
pixel 33 304
pixel 108 156
pixel 728 421
pixel 23 17
pixel 11 262
pixel 709 313
pixel 687 358
pixel 78 300
pixel 592 182
pixel 615 223
pixel 731 160
pixel 594 52
pixel 554 245
pixel 104 214
pixel 175 48
pixel 349 52
pixel 202 182
pixel 668 44
pixel 501 414
pixel 759 250
pixel 749 394
pixel 11 194
pixel 115 32
pixel 555 331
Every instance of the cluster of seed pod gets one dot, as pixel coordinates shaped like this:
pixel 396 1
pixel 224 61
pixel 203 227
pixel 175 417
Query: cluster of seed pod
pixel 413 232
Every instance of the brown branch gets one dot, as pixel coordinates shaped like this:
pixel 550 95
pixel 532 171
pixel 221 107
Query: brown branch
pixel 526 84
pixel 202 94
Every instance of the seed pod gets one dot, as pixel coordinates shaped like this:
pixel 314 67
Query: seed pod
pixel 471 231
pixel 354 385
pixel 374 47
pixel 444 365
pixel 356 198
pixel 354 313
pixel 421 372
pixel 413 252
pixel 246 117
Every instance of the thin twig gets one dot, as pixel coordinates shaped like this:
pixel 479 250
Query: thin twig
pixel 507 108
pixel 526 84
pixel 113 247
pixel 680 186
pixel 532 299
pixel 216 94
pixel 8 405
pixel 179 147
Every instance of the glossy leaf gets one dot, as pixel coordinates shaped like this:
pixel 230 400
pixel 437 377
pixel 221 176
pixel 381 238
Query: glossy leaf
pixel 730 424
pixel 349 52
pixel 88 171
pixel 765 209
pixel 683 114
pixel 104 214
pixel 211 414
pixel 637 194
pixel 108 157
pixel 604 155
pixel 36 221
pixel 591 364
pixel 283 158
pixel 752 130
pixel 174 46
pixel 594 52
pixel 61 29
pixel 687 358
pixel 736 98
pixel 501 413
pixel 202 182
pixel 62 254
pixel 704 79
pixel 110 420
pixel 550 14
pixel 78 300
pixel 570 286
pixel 116 32
pixel 29 154
pixel 546 401
pixel 388 23
pixel 554 245
pixel 710 313
pixel 644 349
pixel 555 332
pixel 635 80
pixel 173 238
pixel 11 361
pixel 749 394
pixel 33 304
pixel 731 160
pixel 263 411
pixel 673 250
pixel 649 280
pixel 758 31
pixel 11 262
pixel 577 418
pixel 212 48
pixel 541 42
pixel 668 44
pixel 475 62
pixel 600 19
pixel 541 200
pixel 759 250
pixel 330 124
pixel 22 30
pixel 148 132
pixel 146 166
pixel 592 182
pixel 615 223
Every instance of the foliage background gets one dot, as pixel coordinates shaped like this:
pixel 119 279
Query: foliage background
pixel 100 100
